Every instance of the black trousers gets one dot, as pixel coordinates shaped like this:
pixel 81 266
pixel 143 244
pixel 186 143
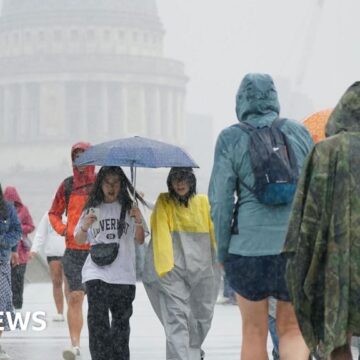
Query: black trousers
pixel 109 340
pixel 17 284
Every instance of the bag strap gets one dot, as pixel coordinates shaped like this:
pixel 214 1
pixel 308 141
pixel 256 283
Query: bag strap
pixel 246 127
pixel 122 222
pixel 278 123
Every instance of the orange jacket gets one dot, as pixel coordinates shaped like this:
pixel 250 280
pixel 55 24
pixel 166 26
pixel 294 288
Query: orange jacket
pixel 78 197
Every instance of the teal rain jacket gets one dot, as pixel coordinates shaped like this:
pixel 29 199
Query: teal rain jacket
pixel 262 228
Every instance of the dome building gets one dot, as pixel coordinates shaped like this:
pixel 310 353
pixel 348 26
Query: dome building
pixel 87 69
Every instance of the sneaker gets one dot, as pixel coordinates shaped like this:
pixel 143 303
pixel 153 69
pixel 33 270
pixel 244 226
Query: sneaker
pixel 222 300
pixel 72 354
pixel 3 354
pixel 58 318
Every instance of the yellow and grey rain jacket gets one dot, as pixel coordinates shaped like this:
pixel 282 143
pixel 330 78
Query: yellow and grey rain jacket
pixel 170 222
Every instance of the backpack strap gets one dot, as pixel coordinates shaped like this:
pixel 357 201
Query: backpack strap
pixel 246 127
pixel 278 123
pixel 122 221
pixel 68 186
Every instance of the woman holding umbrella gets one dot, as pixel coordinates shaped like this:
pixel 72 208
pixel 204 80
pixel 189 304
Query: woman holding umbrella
pixel 109 270
pixel 180 275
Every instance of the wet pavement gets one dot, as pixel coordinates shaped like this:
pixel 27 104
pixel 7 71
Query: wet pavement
pixel 147 340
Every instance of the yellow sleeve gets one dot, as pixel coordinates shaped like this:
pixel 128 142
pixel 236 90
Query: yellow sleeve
pixel 211 225
pixel 161 237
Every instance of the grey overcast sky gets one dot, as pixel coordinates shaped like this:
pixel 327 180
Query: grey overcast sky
pixel 312 44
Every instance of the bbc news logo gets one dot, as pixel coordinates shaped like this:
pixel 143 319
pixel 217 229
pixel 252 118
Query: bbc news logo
pixel 23 322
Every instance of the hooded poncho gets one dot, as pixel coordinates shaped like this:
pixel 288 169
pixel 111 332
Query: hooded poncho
pixel 323 238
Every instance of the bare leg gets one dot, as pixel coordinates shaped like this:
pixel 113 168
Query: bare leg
pixel 255 328
pixel 291 343
pixel 66 290
pixel 75 316
pixel 343 352
pixel 56 271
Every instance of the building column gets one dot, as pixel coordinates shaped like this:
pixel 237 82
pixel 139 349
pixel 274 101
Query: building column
pixel 167 120
pixel 84 128
pixel 7 113
pixel 142 112
pixel 124 110
pixel 104 109
pixel 179 124
pixel 23 127
pixel 157 113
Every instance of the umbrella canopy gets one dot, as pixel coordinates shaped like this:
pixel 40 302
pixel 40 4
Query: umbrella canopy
pixel 136 152
pixel 316 123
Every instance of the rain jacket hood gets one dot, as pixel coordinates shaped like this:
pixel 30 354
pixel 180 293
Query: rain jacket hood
pixel 11 194
pixel 323 239
pixel 87 174
pixel 256 96
pixel 346 115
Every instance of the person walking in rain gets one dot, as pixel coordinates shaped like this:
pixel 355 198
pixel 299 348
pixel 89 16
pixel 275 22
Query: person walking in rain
pixel 20 254
pixel 110 220
pixel 180 274
pixel 323 239
pixel 10 235
pixel 70 198
pixel 47 239
pixel 251 233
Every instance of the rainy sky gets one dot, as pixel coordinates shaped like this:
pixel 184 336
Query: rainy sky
pixel 311 46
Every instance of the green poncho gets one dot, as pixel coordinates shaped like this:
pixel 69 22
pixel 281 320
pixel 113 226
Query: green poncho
pixel 323 239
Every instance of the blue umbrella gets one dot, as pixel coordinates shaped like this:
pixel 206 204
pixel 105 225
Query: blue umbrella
pixel 136 152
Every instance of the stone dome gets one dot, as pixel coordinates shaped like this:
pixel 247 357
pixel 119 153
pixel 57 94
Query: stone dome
pixel 87 68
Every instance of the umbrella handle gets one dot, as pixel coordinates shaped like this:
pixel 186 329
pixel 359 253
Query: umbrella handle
pixel 133 180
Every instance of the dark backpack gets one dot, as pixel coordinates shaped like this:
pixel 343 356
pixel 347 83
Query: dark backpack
pixel 68 188
pixel 273 163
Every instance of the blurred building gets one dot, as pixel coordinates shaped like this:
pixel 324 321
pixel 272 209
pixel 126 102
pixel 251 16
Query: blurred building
pixel 200 144
pixel 88 69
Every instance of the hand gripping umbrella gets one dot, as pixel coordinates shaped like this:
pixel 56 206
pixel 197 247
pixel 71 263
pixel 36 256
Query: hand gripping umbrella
pixel 136 152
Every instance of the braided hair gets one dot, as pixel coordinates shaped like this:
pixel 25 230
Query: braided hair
pixel 182 174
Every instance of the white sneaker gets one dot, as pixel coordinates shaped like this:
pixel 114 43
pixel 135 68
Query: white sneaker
pixel 72 354
pixel 58 318
pixel 3 354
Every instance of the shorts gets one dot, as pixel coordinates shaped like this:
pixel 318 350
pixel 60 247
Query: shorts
pixel 258 277
pixel 53 258
pixel 73 262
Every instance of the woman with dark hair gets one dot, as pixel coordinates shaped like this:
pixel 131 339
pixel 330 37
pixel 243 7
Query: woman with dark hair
pixel 10 234
pixel 111 224
pixel 180 275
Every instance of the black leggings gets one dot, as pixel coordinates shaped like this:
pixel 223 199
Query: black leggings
pixel 17 284
pixel 109 341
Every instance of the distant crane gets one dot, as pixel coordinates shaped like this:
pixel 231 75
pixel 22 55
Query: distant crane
pixel 309 41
